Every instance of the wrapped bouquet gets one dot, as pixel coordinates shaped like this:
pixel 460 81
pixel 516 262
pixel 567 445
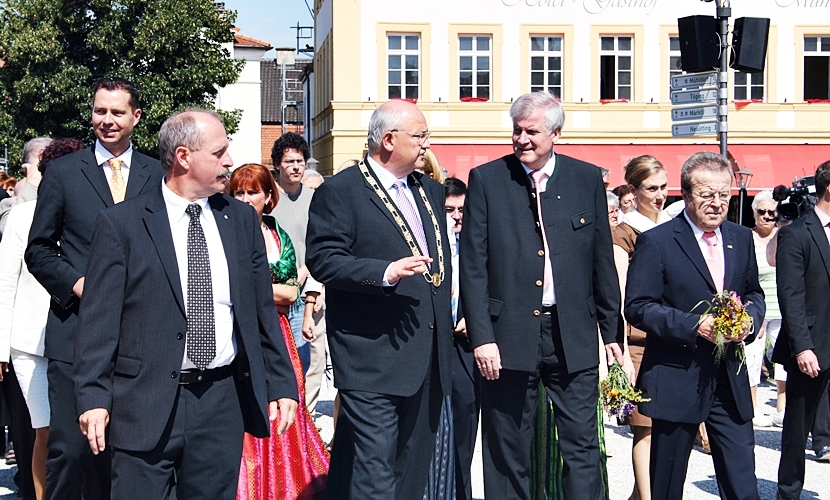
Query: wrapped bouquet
pixel 731 319
pixel 617 393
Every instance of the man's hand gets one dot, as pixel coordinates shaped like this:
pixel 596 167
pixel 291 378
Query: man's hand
pixel 308 328
pixel 704 329
pixel 286 410
pixel 407 266
pixel 614 352
pixel 488 360
pixel 4 368
pixel 628 367
pixel 808 363
pixel 78 287
pixel 93 425
pixel 302 275
pixel 460 327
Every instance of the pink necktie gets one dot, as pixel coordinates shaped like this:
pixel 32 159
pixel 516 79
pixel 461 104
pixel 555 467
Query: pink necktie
pixel 714 259
pixel 539 177
pixel 409 213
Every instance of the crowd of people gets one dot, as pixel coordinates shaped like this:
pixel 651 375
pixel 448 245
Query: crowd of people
pixel 169 321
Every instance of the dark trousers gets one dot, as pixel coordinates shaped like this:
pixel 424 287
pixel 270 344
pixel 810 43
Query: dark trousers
pixel 466 406
pixel 733 450
pixel 508 413
pixel 803 397
pixel 820 430
pixel 20 426
pixel 383 444
pixel 71 468
pixel 199 453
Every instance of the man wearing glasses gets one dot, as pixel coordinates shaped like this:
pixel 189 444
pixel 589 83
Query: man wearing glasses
pixel 676 266
pixel 377 238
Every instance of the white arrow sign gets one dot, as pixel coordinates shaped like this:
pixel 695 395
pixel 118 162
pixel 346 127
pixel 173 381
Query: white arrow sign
pixel 694 80
pixel 694 113
pixel 694 96
pixel 690 129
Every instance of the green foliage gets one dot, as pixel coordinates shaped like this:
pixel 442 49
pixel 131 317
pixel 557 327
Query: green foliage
pixel 53 50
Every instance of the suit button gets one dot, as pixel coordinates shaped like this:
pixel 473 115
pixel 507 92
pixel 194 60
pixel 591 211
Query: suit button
pixel 582 221
pixel 179 336
pixel 174 374
pixel 538 282
pixel 536 312
pixel 540 253
pixel 430 326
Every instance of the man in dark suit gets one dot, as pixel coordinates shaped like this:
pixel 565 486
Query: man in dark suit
pixel 803 346
pixel 377 238
pixel 674 267
pixel 533 295
pixel 78 187
pixel 178 346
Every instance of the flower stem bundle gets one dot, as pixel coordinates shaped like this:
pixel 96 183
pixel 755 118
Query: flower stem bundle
pixel 617 393
pixel 730 321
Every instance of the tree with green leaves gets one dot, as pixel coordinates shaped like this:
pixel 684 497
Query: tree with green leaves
pixel 51 52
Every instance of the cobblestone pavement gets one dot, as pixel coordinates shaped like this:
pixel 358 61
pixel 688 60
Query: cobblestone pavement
pixel 700 481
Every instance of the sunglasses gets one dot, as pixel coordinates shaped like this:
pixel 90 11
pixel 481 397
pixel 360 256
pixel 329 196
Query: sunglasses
pixel 761 212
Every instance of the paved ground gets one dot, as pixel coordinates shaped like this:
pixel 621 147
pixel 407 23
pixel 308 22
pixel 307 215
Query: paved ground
pixel 700 482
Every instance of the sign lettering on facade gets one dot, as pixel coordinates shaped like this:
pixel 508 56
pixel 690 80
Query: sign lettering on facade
pixel 590 6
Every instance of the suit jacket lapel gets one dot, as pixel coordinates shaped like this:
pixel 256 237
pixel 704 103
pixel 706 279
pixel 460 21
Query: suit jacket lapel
pixel 820 238
pixel 139 173
pixel 95 175
pixel 157 223
pixel 373 197
pixel 685 238
pixel 227 224
pixel 729 255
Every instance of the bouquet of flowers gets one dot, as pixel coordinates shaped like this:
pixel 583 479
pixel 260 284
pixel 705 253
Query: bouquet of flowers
pixel 731 319
pixel 617 393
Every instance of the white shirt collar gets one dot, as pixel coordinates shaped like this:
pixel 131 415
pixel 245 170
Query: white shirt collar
pixel 386 178
pixel 698 232
pixel 177 205
pixel 548 168
pixel 102 154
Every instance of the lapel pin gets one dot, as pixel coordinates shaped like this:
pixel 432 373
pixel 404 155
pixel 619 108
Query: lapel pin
pixel 558 197
pixel 226 216
pixel 729 247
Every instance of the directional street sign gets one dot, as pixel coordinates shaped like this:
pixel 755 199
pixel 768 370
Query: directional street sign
pixel 694 80
pixel 698 128
pixel 694 113
pixel 694 96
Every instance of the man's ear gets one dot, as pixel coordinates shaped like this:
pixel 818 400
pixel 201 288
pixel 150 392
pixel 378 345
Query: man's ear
pixel 182 156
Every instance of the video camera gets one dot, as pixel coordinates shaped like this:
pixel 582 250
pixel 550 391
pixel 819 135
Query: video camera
pixel 800 198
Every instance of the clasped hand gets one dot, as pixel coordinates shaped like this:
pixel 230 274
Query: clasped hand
pixel 706 330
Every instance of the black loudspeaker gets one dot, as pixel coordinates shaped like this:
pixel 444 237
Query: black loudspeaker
pixel 749 44
pixel 699 45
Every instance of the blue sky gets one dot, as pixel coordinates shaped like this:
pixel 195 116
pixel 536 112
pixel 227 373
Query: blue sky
pixel 271 20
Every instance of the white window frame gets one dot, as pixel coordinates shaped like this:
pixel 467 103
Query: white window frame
pixel 547 73
pixel 476 55
pixel 403 55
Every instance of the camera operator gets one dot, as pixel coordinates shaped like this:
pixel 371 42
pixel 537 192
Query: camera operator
pixel 803 277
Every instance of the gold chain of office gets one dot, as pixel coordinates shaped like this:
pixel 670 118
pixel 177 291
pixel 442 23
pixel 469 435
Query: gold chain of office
pixel 435 278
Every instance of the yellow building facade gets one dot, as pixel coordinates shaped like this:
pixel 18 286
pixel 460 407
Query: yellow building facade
pixel 609 61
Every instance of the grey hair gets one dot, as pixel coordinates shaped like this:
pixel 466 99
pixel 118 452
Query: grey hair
pixel 33 149
pixel 527 104
pixel 307 174
pixel 703 160
pixel 181 129
pixel 762 196
pixel 384 119
pixel 612 199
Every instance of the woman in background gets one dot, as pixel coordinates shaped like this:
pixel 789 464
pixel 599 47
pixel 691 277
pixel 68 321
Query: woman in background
pixel 294 465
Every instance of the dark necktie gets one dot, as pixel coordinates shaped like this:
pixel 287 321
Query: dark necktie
pixel 201 322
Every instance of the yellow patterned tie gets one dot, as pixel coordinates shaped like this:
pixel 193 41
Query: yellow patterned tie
pixel 117 186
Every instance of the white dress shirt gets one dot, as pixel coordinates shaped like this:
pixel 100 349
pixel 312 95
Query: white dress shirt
pixel 222 305
pixel 102 156
pixel 548 294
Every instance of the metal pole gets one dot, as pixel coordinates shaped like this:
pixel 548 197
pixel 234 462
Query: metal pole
pixel 282 97
pixel 723 13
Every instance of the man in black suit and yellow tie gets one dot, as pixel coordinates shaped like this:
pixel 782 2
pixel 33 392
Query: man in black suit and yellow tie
pixel 674 267
pixel 803 346
pixel 537 277
pixel 79 186
pixel 178 348
pixel 377 238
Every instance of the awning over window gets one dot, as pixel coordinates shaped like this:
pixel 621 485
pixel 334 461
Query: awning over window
pixel 771 164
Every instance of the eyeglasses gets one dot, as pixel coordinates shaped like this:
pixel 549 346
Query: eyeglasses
pixel 761 212
pixel 709 196
pixel 451 210
pixel 421 138
pixel 293 162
